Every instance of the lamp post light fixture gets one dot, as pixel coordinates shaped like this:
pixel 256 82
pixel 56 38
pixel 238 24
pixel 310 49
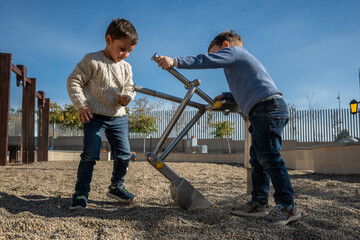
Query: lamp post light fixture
pixel 354 103
pixel 354 106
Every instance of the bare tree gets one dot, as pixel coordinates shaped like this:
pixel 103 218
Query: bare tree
pixel 313 106
pixel 336 123
pixel 292 120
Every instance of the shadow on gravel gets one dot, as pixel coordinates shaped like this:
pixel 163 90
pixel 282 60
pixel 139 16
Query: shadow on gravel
pixel 348 178
pixel 59 207
pixel 52 207
pixel 143 218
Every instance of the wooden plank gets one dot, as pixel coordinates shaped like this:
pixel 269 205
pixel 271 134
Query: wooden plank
pixel 40 152
pixel 28 121
pixel 39 95
pixel 5 84
pixel 21 74
pixel 32 121
pixel 24 120
pixel 16 70
pixel 30 125
pixel 45 128
pixel 247 156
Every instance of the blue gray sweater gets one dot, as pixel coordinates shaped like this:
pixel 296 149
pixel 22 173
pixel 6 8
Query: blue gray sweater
pixel 248 80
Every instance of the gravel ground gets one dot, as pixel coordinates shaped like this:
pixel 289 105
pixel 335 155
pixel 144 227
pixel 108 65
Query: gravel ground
pixel 34 201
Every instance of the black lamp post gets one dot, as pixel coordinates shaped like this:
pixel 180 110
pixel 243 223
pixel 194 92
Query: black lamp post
pixel 354 106
pixel 354 103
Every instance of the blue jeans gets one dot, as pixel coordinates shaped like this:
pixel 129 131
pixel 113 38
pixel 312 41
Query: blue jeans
pixel 117 133
pixel 268 120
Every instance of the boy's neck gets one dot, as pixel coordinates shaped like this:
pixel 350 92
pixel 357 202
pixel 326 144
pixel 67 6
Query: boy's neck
pixel 107 54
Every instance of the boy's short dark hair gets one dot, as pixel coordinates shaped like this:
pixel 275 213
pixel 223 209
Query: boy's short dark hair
pixel 121 28
pixel 230 36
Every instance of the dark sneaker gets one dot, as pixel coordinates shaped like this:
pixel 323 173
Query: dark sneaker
pixel 282 215
pixel 250 209
pixel 120 193
pixel 78 202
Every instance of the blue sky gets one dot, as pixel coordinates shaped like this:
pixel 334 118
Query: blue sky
pixel 310 48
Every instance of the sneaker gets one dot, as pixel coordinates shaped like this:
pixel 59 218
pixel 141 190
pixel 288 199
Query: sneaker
pixel 78 202
pixel 282 215
pixel 120 193
pixel 250 209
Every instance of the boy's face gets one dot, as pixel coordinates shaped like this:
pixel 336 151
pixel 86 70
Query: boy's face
pixel 118 49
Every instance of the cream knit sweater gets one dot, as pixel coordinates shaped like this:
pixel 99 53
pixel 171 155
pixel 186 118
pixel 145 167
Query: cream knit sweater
pixel 97 81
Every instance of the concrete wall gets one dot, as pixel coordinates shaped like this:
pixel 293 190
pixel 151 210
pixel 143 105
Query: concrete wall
pixel 328 159
pixel 67 143
pixel 137 144
pixel 62 155
pixel 236 158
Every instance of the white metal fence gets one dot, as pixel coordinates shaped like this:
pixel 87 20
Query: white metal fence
pixel 324 125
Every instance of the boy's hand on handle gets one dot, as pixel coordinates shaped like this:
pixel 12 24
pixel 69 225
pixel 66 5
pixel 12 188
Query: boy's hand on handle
pixel 123 100
pixel 219 97
pixel 165 62
pixel 85 114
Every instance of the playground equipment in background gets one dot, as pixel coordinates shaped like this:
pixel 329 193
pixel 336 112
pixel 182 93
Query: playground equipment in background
pixel 182 192
pixel 29 94
pixel 133 156
pixel 193 147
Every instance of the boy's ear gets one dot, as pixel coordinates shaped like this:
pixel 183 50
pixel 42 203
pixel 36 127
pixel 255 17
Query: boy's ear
pixel 226 44
pixel 108 39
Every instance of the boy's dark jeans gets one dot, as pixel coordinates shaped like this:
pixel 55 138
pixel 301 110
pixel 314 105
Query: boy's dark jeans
pixel 268 120
pixel 117 133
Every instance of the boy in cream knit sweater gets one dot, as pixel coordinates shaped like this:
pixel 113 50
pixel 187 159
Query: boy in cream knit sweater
pixel 100 87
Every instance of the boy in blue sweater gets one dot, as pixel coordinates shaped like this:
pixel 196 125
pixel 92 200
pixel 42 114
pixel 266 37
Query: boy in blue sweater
pixel 258 98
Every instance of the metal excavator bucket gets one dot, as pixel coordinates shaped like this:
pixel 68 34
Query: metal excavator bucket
pixel 182 192
pixel 186 196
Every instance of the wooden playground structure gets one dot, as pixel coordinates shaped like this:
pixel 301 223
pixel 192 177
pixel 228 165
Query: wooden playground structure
pixel 29 95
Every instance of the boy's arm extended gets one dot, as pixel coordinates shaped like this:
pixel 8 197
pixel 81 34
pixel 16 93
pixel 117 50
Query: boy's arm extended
pixel 221 59
pixel 75 84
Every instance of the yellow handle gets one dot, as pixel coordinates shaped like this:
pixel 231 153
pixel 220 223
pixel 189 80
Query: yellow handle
pixel 218 104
